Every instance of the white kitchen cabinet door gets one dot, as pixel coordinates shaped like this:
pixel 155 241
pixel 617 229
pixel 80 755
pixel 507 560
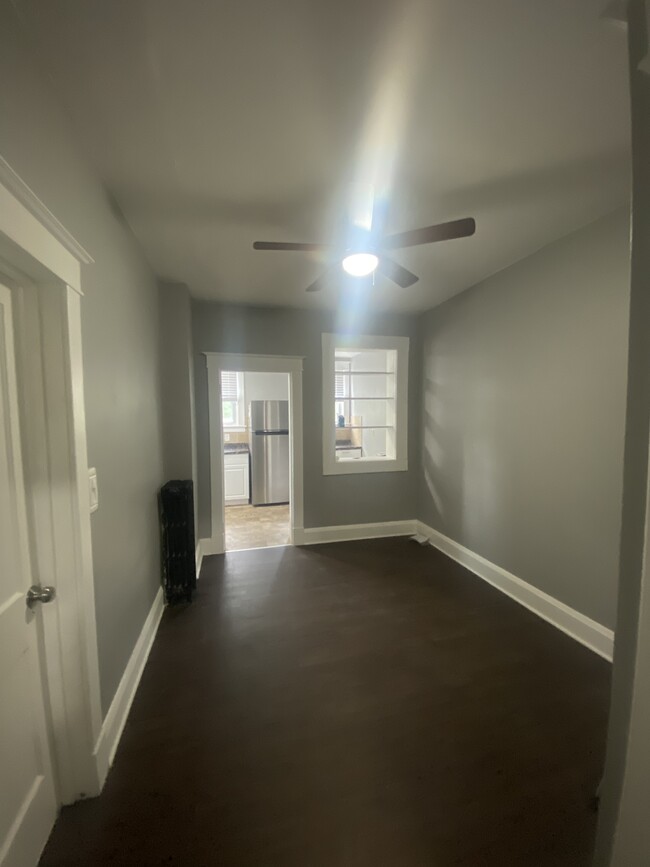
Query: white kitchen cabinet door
pixel 236 479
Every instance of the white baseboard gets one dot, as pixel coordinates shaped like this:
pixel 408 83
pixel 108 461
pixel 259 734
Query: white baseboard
pixel 593 635
pixel 199 558
pixel 209 547
pixel 352 532
pixel 588 632
pixel 118 712
pixel 342 533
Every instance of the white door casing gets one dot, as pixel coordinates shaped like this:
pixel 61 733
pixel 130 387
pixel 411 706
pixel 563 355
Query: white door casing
pixel 28 804
pixel 41 262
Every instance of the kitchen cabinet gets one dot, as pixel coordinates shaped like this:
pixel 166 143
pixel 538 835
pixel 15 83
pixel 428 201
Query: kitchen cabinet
pixel 236 479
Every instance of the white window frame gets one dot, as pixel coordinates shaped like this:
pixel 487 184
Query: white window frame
pixel 240 421
pixel 332 467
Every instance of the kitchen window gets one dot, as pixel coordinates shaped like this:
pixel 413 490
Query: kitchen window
pixel 342 387
pixel 232 399
pixel 365 404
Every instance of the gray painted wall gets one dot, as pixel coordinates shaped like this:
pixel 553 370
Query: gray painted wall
pixel 265 386
pixel 623 831
pixel 177 370
pixel 523 416
pixel 121 356
pixel 329 500
pixel 177 381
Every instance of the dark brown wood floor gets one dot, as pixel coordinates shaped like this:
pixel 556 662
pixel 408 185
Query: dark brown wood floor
pixel 348 705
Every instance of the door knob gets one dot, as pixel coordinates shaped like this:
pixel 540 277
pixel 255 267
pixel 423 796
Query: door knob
pixel 36 593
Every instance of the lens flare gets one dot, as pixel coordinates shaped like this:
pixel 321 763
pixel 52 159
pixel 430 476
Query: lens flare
pixel 360 264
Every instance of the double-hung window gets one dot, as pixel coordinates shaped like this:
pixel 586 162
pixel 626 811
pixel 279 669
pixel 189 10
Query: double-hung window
pixel 232 399
pixel 365 404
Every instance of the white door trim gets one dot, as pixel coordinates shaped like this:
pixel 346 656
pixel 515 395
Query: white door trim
pixel 292 365
pixel 44 218
pixel 644 66
pixel 42 264
pixel 31 802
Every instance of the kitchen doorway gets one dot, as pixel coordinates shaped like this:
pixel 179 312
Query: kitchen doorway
pixel 256 469
pixel 255 425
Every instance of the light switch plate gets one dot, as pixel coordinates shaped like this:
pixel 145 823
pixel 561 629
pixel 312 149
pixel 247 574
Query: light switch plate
pixel 93 489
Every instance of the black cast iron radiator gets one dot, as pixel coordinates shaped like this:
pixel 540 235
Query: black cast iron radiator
pixel 176 504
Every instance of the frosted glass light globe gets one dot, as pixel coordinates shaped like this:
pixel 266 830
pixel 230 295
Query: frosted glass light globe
pixel 360 264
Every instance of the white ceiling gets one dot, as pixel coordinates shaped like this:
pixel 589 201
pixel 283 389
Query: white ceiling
pixel 217 123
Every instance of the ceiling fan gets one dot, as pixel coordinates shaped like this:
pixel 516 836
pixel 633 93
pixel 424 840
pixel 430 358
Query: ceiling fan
pixel 368 254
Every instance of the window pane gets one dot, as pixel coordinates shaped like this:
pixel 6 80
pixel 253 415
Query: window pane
pixel 232 395
pixel 229 385
pixel 371 443
pixel 365 419
pixel 365 385
pixel 375 443
pixel 229 412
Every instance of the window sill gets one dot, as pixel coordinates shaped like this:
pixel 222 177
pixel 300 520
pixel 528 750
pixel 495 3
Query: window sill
pixel 354 466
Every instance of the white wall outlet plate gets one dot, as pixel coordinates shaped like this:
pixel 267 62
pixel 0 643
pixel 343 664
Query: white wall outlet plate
pixel 93 489
pixel 226 438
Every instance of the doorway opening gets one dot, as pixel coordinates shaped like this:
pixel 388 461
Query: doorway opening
pixel 256 464
pixel 255 426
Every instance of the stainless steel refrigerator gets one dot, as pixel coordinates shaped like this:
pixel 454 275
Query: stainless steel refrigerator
pixel 269 447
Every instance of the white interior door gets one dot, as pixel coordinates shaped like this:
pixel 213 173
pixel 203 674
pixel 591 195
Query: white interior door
pixel 27 798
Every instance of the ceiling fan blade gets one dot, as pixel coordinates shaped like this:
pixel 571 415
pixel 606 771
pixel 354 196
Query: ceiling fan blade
pixel 396 273
pixel 320 282
pixel 427 235
pixel 282 245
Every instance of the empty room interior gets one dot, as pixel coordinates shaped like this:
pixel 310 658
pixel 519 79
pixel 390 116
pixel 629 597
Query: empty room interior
pixel 325 399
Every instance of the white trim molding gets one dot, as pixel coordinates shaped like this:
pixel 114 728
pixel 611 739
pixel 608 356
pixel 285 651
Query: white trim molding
pixel 42 264
pixel 209 547
pixel 28 198
pixel 292 366
pixel 585 630
pixel 615 12
pixel 118 712
pixel 51 374
pixel 199 558
pixel 644 66
pixel 354 532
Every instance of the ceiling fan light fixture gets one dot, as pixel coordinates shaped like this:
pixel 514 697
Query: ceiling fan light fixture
pixel 360 264
pixel 359 261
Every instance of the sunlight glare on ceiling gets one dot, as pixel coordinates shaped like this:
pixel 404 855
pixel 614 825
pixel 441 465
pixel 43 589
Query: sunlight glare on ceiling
pixel 387 118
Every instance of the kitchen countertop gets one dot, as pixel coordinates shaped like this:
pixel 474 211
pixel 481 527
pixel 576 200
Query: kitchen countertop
pixel 235 448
